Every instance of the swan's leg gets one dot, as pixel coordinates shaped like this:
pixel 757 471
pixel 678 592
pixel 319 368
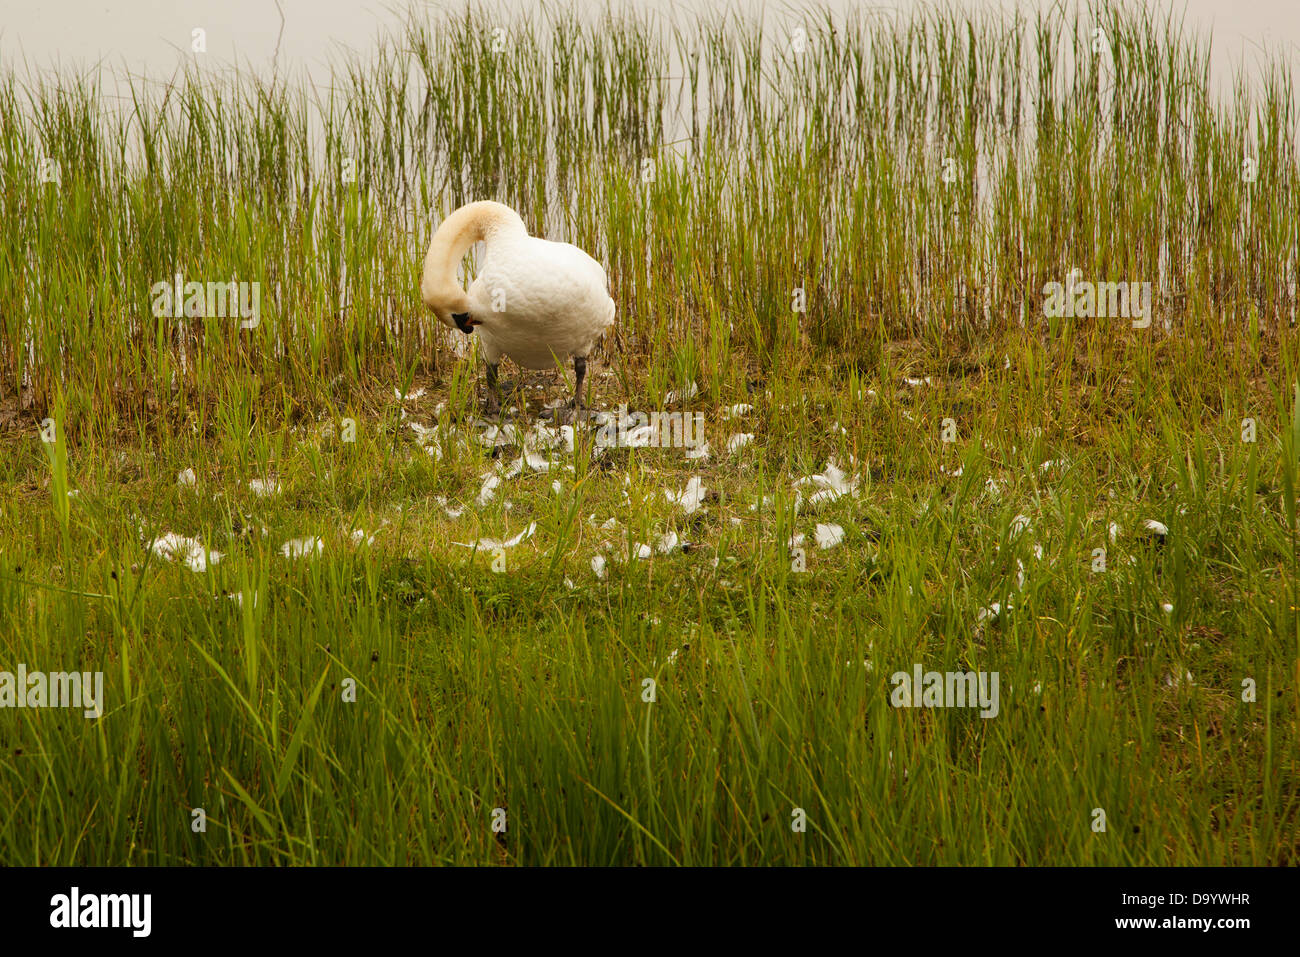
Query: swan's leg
pixel 579 372
pixel 574 415
pixel 493 389
pixel 498 391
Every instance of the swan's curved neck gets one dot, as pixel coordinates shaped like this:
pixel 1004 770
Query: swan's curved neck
pixel 474 222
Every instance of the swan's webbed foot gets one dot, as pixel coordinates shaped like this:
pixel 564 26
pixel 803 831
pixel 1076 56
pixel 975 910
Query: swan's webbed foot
pixel 572 416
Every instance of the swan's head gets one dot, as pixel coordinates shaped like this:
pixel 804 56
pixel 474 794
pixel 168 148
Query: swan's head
pixel 450 305
pixel 464 322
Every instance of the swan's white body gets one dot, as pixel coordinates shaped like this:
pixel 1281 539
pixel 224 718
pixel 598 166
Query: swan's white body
pixel 536 301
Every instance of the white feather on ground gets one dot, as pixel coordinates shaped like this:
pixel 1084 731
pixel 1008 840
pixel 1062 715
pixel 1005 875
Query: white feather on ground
pixel 489 489
pixel 302 548
pixel 264 488
pixel 690 498
pixel 832 483
pixel 190 551
pixel 828 536
pixel 492 544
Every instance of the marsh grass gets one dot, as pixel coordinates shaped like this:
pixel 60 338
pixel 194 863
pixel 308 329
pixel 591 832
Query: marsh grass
pixel 770 170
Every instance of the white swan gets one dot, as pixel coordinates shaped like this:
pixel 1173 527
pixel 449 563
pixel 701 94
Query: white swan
pixel 536 301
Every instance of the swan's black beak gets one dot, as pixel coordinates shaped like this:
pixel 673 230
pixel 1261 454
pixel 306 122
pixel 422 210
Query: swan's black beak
pixel 463 322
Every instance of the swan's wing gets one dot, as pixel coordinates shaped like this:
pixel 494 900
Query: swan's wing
pixel 542 280
pixel 583 262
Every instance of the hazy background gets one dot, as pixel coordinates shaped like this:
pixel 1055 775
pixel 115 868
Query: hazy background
pixel 149 36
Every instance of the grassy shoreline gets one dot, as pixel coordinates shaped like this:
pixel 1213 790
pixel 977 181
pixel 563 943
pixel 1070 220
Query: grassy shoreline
pixel 988 452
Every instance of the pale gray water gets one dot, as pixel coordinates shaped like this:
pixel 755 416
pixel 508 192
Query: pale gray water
pixel 153 37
